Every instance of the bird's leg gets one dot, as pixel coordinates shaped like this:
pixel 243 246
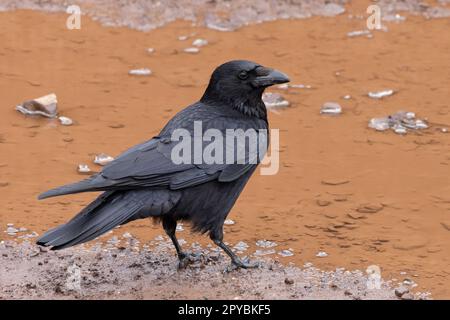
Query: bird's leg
pixel 217 238
pixel 170 226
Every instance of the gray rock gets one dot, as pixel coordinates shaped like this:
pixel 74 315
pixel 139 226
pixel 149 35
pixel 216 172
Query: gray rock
pixel 286 253
pixel 274 100
pixel 10 230
pixel 65 121
pixel 200 42
pixel 84 169
pixel 289 281
pixel 407 296
pixel 400 122
pixel 265 244
pixel 381 94
pixel 264 252
pixel 229 222
pixel 331 108
pixel 103 159
pixel 241 246
pixel 400 291
pixel 46 106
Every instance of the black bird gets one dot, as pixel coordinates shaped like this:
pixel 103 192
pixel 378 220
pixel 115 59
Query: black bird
pixel 145 182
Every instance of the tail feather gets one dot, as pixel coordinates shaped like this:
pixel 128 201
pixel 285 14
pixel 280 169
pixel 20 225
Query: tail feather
pixel 61 230
pixel 94 183
pixel 109 210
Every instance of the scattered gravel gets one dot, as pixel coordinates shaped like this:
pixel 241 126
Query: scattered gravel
pixel 265 244
pixel 124 272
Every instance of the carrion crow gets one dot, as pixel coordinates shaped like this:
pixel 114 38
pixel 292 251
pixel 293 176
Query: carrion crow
pixel 145 182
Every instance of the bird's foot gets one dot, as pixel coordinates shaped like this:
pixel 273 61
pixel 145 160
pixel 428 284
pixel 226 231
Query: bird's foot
pixel 244 264
pixel 186 258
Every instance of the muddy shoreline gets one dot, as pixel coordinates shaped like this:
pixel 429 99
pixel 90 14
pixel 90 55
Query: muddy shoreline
pixel 125 272
pixel 361 196
pixel 220 15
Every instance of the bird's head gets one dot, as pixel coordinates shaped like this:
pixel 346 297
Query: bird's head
pixel 240 84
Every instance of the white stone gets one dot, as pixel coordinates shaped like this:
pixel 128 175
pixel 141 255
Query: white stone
pixel 331 108
pixel 46 106
pixel 103 159
pixel 192 50
pixel 65 121
pixel 140 72
pixel 381 94
pixel 200 42
pixel 84 169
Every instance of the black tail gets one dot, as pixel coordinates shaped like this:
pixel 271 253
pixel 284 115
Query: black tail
pixel 109 210
pixel 94 183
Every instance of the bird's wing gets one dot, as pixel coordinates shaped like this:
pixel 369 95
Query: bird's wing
pixel 150 164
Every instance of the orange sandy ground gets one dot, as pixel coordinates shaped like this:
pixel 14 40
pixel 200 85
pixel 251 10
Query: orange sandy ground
pixel 407 175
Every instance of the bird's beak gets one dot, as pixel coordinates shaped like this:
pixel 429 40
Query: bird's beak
pixel 268 77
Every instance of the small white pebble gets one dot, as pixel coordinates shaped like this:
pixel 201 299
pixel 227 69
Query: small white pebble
pixel 331 108
pixel 200 42
pixel 140 72
pixel 410 115
pixel 84 168
pixel 381 94
pixel 265 244
pixel 192 50
pixel 65 121
pixel 286 253
pixel 11 230
pixel 103 159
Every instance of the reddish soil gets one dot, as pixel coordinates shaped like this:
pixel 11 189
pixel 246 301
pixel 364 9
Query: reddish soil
pixel 330 167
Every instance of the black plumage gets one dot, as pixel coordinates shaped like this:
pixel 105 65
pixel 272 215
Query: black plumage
pixel 145 182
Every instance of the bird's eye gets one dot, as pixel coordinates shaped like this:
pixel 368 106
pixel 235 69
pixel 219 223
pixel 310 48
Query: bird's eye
pixel 243 75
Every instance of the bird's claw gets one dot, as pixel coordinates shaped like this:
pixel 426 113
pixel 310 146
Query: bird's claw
pixel 185 259
pixel 238 263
